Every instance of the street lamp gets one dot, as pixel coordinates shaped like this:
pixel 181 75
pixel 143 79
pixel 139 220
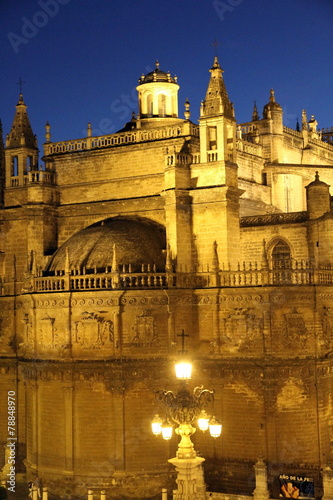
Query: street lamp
pixel 182 409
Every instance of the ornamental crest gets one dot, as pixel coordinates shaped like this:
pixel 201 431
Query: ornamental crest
pixel 240 328
pixel 327 327
pixel 294 328
pixel 48 335
pixel 144 330
pixel 93 331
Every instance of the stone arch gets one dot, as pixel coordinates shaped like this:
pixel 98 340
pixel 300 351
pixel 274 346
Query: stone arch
pixel 149 105
pixel 161 105
pixel 280 260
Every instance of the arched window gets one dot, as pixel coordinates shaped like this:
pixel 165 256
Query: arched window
pixel 14 166
pixel 161 105
pixel 149 105
pixel 281 262
pixel 28 164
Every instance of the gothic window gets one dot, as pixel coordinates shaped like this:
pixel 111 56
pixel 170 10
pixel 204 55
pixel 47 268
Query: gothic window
pixel 149 105
pixel 14 166
pixel 161 105
pixel 28 164
pixel 212 138
pixel 281 263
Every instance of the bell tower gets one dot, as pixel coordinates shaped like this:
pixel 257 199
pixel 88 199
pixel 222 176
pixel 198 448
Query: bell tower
pixel 216 197
pixel 217 120
pixel 29 194
pixel 21 151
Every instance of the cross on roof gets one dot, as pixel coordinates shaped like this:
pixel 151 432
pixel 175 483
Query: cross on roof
pixel 215 44
pixel 20 83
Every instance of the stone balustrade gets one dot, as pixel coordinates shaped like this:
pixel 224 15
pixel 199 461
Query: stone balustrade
pixel 248 147
pixel 245 275
pixel 212 156
pixel 112 140
pixel 291 131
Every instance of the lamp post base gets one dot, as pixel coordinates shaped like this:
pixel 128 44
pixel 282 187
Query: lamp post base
pixel 190 478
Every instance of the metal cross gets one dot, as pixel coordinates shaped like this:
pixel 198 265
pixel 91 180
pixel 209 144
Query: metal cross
pixel 183 335
pixel 215 44
pixel 20 83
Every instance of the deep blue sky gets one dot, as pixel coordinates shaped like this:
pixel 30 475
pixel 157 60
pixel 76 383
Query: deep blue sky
pixel 82 63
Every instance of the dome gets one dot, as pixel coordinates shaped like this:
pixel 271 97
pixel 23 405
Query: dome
pixel 136 243
pixel 272 105
pixel 157 76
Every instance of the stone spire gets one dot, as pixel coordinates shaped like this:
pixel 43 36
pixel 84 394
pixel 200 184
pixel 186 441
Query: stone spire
pixel 217 100
pixel 255 114
pixel 21 133
pixel 304 120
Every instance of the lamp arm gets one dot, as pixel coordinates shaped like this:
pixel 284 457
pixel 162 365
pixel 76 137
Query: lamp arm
pixel 203 396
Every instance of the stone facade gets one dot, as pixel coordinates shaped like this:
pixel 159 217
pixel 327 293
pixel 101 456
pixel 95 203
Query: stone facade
pixel 118 243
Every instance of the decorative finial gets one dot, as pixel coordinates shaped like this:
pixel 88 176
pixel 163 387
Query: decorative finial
pixel 187 113
pixel 272 95
pixel 304 120
pixel 255 114
pixel 317 176
pixel 114 259
pixel 67 262
pixel 157 64
pixel 297 125
pixel 89 130
pixel 47 132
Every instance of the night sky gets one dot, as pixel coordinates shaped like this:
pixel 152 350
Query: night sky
pixel 81 59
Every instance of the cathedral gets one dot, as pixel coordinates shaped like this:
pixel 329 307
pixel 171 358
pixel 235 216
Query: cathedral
pixel 112 246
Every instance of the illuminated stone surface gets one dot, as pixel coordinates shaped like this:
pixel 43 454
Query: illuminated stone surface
pixel 168 226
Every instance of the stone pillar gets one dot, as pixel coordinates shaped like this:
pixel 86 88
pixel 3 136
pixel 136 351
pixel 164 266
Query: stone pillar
pixel 189 478
pixel 34 424
pixel 178 226
pixel 164 494
pixel 45 494
pixel 69 455
pixel 261 491
pixel 327 483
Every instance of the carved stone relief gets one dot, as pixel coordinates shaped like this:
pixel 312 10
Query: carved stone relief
pixel 93 331
pixel 291 396
pixel 240 327
pixel 48 333
pixel 144 330
pixel 294 329
pixel 327 327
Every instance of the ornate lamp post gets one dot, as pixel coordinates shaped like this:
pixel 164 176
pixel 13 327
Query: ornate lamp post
pixel 182 409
